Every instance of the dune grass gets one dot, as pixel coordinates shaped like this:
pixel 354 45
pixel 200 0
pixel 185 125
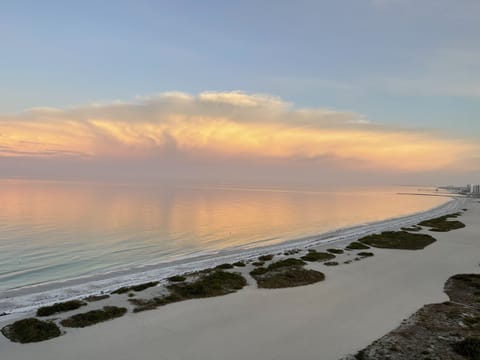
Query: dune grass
pixel 314 255
pixel 291 277
pixel 94 298
pixel 357 246
pixel 224 266
pixel 177 278
pixel 60 307
pixel 239 264
pixel 285 273
pixel 211 284
pixel 443 224
pixel 330 263
pixel 137 288
pixel 31 330
pixel 414 228
pixel 151 304
pixel 398 240
pixel 265 257
pixel 214 284
pixel 365 254
pixel 94 317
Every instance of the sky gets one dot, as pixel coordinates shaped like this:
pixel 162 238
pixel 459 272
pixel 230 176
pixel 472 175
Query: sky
pixel 330 91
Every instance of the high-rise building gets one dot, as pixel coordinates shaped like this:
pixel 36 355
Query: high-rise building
pixel 475 189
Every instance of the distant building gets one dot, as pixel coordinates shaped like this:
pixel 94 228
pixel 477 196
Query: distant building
pixel 469 188
pixel 475 189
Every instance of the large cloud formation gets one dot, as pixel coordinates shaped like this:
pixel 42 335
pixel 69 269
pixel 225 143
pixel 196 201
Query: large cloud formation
pixel 224 126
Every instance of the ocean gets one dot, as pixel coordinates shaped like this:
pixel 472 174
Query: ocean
pixel 58 230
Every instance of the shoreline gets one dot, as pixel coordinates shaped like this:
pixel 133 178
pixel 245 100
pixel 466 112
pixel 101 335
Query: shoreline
pixel 15 302
pixel 355 305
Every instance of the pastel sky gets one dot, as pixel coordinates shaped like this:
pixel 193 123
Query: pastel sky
pixel 375 89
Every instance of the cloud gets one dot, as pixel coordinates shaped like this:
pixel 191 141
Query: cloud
pixel 234 128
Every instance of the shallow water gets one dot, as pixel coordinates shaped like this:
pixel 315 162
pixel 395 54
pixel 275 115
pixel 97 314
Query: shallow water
pixel 59 230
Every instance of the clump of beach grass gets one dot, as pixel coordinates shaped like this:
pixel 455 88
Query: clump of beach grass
pixel 214 284
pixel 94 317
pixel 31 330
pixel 331 263
pixel 285 273
pixel 291 252
pixel 151 304
pixel 314 255
pixel 60 307
pixel 398 240
pixel 365 254
pixel 224 266
pixel 239 264
pixel 137 288
pixel 94 298
pixel 443 224
pixel 258 263
pixel 357 246
pixel 177 278
pixel 265 257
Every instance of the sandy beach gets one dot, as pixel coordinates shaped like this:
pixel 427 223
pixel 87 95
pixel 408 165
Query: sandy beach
pixel 355 305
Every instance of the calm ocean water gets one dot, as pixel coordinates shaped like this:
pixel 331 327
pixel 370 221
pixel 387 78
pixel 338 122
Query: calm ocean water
pixel 59 230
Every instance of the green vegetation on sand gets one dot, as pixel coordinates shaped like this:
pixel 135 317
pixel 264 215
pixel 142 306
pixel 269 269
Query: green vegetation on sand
pixel 94 317
pixel 31 330
pixel 314 255
pixel 331 263
pixel 357 246
pixel 211 284
pixel 398 240
pixel 214 284
pixel 285 273
pixel 94 298
pixel 139 287
pixel 365 254
pixel 239 264
pixel 443 224
pixel 60 307
pixel 224 266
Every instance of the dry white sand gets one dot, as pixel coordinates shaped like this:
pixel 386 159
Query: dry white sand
pixel 357 304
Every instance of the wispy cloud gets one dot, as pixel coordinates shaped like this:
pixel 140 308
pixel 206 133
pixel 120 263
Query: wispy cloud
pixel 225 126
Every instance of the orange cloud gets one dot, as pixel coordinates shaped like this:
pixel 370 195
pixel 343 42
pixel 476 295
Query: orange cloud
pixel 227 125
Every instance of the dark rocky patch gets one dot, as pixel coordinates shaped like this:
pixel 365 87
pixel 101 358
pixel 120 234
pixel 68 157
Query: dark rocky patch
pixel 446 331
